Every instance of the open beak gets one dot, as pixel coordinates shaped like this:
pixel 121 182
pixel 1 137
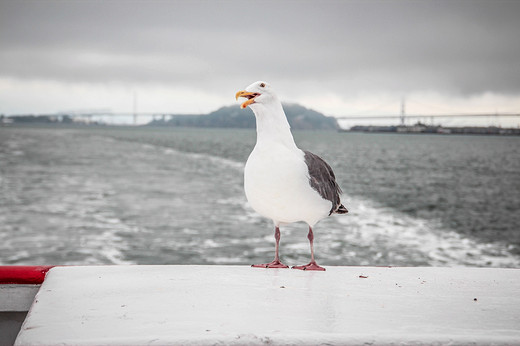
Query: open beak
pixel 249 95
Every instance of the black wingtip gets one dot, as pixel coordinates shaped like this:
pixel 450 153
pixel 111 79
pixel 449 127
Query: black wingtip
pixel 341 210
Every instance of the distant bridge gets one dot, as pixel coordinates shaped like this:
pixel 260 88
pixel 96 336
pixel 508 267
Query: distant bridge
pixel 155 115
pixel 403 115
pixel 425 116
pixel 158 115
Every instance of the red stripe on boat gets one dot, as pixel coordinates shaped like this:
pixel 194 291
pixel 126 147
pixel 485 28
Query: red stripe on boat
pixel 31 275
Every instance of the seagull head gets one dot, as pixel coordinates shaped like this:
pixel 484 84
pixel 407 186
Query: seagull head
pixel 258 92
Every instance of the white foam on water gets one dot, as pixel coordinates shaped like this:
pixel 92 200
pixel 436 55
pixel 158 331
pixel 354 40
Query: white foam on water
pixel 371 234
pixel 217 160
pixel 369 225
pixel 109 245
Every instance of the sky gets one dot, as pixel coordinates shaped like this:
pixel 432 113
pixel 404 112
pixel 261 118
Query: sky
pixel 338 57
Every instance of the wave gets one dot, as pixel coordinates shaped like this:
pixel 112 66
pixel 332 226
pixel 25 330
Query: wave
pixel 168 150
pixel 228 163
pixel 418 239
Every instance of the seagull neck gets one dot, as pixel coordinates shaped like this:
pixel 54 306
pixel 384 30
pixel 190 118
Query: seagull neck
pixel 272 125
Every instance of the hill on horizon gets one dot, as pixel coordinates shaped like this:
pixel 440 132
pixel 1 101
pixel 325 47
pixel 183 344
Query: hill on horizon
pixel 299 117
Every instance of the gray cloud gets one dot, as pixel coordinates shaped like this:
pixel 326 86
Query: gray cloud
pixel 464 47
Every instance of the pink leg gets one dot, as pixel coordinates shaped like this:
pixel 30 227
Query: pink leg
pixel 312 265
pixel 276 262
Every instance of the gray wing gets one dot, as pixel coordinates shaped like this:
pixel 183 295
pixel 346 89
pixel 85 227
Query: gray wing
pixel 323 180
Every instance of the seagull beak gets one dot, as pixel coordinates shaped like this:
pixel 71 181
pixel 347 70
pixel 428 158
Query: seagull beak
pixel 249 95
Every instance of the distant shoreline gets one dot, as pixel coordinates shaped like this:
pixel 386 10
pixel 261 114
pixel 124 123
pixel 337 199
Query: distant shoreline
pixel 48 122
pixel 437 130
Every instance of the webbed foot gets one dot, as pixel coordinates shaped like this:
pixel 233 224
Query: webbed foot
pixel 273 264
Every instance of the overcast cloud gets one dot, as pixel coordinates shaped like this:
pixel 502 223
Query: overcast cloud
pixel 339 57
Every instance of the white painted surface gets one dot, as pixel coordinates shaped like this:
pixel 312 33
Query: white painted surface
pixel 17 297
pixel 136 305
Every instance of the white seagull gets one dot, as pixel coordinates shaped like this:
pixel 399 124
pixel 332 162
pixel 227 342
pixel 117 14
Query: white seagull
pixel 282 182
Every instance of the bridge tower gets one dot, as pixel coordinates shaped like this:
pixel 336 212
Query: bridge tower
pixel 135 108
pixel 403 111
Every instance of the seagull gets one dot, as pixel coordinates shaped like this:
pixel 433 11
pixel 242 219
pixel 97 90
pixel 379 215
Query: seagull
pixel 282 182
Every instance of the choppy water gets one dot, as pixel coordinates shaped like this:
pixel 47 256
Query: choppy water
pixel 175 196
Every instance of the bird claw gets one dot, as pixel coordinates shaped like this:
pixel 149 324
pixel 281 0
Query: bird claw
pixel 310 266
pixel 273 264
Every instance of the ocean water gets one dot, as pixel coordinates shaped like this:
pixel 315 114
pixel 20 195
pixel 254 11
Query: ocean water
pixel 123 195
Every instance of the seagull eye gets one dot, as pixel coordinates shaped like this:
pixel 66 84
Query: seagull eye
pixel 262 85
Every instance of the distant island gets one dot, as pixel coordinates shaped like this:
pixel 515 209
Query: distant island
pixel 299 117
